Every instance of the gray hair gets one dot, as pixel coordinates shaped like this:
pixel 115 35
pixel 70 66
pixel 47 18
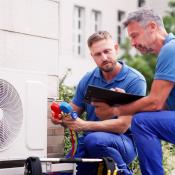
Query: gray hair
pixel 98 36
pixel 143 16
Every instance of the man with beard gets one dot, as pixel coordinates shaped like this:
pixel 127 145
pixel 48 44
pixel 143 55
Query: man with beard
pixel 104 138
pixel 157 121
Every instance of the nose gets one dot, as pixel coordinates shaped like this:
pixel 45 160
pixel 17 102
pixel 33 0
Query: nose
pixel 133 42
pixel 103 56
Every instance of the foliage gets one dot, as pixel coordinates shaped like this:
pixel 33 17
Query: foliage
pixel 62 79
pixel 169 19
pixel 134 166
pixel 65 94
pixel 67 142
pixel 168 157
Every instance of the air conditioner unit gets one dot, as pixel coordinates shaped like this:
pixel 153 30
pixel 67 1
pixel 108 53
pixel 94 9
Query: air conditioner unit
pixel 23 114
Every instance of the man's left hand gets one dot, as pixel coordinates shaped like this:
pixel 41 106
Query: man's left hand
pixel 104 111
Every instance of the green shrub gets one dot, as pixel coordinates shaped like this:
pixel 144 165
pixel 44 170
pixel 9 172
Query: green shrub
pixel 65 94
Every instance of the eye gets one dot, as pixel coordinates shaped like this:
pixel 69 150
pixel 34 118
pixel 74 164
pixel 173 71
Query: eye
pixel 107 51
pixel 133 36
pixel 97 54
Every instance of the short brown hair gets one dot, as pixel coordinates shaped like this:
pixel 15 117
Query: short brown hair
pixel 100 35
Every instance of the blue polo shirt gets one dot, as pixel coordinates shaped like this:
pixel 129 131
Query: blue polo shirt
pixel 128 79
pixel 165 67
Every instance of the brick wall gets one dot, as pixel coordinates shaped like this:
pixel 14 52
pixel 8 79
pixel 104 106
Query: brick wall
pixel 55 138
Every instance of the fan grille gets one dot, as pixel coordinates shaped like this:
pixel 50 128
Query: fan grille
pixel 11 114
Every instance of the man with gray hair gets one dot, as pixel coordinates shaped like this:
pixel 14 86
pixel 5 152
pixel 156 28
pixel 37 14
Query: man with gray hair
pixel 154 115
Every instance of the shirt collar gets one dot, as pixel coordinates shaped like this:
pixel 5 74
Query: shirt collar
pixel 169 37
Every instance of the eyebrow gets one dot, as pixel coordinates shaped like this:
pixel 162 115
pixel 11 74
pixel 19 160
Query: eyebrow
pixel 99 53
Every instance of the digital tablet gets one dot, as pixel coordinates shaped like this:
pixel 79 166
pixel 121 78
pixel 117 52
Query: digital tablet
pixel 95 93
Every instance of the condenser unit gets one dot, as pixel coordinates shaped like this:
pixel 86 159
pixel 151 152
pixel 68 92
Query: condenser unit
pixel 23 114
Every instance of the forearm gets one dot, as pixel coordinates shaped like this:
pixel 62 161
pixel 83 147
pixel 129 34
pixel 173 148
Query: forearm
pixel 112 125
pixel 159 93
pixel 145 104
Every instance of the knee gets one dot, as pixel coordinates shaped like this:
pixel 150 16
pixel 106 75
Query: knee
pixel 137 122
pixel 92 140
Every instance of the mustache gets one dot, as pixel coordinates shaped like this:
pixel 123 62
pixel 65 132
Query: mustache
pixel 105 62
pixel 139 46
pixel 143 48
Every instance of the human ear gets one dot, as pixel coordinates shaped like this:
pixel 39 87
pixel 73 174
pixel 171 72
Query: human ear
pixel 152 26
pixel 116 46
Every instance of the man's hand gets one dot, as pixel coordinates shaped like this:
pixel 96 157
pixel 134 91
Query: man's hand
pixel 118 90
pixel 57 120
pixel 104 111
pixel 76 125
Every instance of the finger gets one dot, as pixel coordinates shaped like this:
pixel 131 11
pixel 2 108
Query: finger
pixel 60 116
pixel 112 89
pixel 67 121
pixel 55 115
pixel 119 90
pixel 57 122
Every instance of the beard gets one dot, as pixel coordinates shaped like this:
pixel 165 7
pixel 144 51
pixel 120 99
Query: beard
pixel 107 66
pixel 144 49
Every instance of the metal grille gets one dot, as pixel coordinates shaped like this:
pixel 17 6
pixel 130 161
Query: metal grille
pixel 11 114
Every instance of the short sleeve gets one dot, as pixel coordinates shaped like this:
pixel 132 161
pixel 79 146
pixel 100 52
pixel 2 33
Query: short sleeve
pixel 165 67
